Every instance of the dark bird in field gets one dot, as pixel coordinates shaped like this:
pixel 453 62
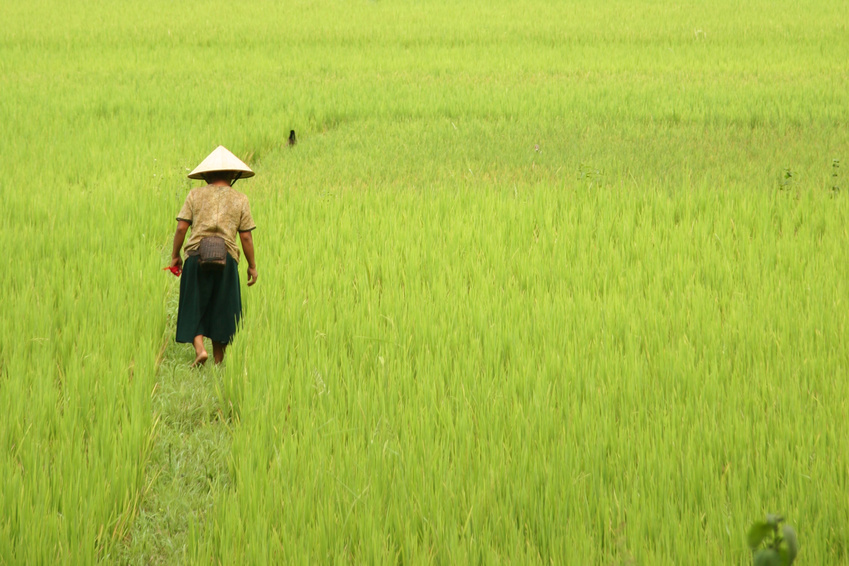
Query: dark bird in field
pixel 292 139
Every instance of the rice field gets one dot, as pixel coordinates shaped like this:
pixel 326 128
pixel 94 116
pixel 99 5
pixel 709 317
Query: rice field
pixel 563 283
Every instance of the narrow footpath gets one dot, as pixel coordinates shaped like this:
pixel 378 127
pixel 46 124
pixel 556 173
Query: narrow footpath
pixel 188 465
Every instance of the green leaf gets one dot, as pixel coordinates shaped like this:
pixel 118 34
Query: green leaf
pixel 773 520
pixel 757 533
pixel 792 543
pixel 767 557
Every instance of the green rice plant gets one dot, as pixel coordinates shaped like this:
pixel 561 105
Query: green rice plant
pixel 458 351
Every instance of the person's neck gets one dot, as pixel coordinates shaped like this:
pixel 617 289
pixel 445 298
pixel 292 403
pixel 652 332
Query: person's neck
pixel 220 183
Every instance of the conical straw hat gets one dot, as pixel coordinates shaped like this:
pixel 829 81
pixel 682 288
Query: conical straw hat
pixel 221 160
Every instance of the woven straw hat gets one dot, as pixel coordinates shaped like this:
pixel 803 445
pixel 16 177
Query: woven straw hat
pixel 221 159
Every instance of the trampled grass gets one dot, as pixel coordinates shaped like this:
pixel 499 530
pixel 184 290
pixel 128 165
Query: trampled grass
pixel 561 283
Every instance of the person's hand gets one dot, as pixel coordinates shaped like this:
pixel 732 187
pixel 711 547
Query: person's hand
pixel 177 262
pixel 252 275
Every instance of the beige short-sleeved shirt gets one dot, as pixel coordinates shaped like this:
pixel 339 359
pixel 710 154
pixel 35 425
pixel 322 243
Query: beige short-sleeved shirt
pixel 216 210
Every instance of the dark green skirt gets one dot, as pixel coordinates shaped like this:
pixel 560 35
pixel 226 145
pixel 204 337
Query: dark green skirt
pixel 210 302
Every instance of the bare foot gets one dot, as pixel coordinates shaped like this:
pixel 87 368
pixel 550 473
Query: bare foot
pixel 200 359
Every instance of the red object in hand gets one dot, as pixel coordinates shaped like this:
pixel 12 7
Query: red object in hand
pixel 173 269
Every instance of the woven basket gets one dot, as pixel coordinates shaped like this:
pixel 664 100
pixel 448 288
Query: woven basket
pixel 213 253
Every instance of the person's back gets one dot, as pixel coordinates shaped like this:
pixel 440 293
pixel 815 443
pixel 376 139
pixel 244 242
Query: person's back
pixel 216 210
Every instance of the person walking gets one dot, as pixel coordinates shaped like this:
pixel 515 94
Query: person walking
pixel 210 296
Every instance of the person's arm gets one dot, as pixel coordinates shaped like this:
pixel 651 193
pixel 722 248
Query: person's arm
pixel 248 248
pixel 179 238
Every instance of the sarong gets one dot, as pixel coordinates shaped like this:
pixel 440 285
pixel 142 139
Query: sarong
pixel 210 302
